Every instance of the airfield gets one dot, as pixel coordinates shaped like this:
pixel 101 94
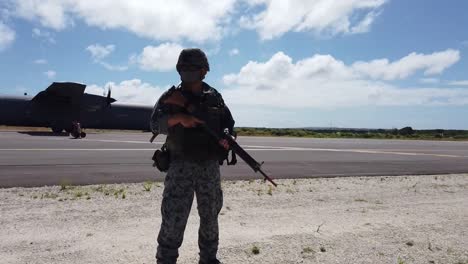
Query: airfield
pixel 336 214
pixel 39 158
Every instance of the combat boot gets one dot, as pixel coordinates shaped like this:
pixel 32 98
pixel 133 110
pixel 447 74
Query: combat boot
pixel 214 261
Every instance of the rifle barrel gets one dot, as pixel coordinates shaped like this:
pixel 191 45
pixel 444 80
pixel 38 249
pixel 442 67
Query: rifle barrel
pixel 268 178
pixel 240 152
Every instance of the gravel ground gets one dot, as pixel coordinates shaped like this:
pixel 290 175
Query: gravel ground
pixel 404 219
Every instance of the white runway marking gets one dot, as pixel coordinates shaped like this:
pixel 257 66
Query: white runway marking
pixel 365 151
pixel 76 149
pixel 259 148
pixel 118 141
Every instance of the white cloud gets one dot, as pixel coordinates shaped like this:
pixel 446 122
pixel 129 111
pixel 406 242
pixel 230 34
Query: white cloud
pixel 40 61
pixel 365 24
pixel 50 74
pixel 158 58
pixel 234 52
pixel 432 64
pixel 130 91
pixel 197 21
pixel 323 81
pixel 459 83
pixel 50 13
pixel 429 80
pixel 204 20
pixel 7 36
pixel 44 35
pixel 99 52
pixel 320 16
pixel 111 67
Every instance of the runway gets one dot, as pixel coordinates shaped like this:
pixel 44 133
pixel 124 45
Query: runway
pixel 41 158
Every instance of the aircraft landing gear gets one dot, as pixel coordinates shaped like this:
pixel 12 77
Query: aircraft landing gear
pixel 57 130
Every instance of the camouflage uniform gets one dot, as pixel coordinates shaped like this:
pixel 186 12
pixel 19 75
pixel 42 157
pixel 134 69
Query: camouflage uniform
pixel 185 178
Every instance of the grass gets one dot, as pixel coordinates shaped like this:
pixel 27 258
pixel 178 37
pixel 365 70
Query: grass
pixel 307 250
pixel 77 192
pixel 119 192
pixel 433 134
pixel 255 250
pixel 270 190
pixel 65 186
pixel 147 185
pixel 49 196
pixel 21 128
pixel 404 133
pixel 319 226
pixel 400 261
pixel 66 191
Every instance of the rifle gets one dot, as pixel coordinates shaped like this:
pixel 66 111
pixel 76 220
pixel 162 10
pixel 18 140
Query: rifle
pixel 238 150
pixel 153 137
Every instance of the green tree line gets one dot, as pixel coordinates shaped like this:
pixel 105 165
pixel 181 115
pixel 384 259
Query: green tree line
pixel 403 133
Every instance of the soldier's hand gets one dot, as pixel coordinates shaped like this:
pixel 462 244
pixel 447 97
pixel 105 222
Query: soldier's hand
pixel 176 98
pixel 224 143
pixel 184 120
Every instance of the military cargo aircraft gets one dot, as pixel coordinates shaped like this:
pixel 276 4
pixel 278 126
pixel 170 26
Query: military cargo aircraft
pixel 61 104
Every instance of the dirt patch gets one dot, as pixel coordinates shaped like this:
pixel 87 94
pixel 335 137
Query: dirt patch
pixel 405 219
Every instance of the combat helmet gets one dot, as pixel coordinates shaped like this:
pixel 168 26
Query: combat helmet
pixel 193 57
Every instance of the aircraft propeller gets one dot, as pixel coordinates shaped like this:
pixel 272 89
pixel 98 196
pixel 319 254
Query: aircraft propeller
pixel 109 99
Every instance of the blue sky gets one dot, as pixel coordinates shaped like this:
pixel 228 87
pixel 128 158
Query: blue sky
pixel 278 63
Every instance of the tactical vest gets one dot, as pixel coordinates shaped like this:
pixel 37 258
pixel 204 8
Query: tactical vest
pixel 195 144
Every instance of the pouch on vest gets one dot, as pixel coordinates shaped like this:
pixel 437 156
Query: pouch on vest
pixel 161 159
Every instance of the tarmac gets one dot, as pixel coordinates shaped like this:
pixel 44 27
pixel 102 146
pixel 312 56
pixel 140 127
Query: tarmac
pixel 30 159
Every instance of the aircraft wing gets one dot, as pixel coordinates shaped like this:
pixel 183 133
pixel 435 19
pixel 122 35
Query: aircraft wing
pixel 66 91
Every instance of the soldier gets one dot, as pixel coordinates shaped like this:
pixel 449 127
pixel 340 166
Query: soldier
pixel 194 157
pixel 76 129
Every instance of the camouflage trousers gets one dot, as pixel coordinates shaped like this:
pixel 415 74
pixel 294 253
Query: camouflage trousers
pixel 183 180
